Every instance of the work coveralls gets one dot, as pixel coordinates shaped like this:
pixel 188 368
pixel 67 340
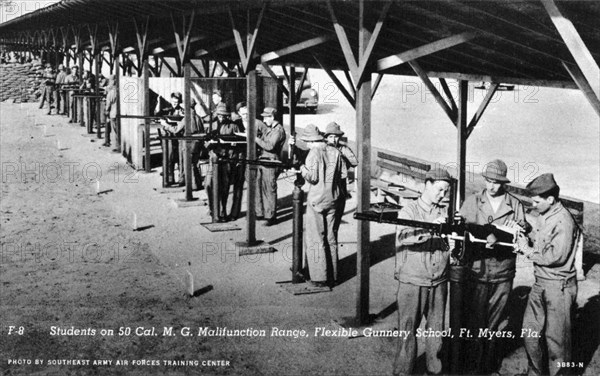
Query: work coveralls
pixel 270 140
pixel 238 174
pixel 489 278
pixel 422 271
pixel 175 128
pixel 59 94
pixel 350 161
pixel 322 170
pixel 552 298
pixel 112 124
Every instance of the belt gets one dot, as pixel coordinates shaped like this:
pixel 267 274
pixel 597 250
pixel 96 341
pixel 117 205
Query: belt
pixel 563 282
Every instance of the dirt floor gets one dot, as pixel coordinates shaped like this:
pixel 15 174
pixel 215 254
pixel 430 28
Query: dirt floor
pixel 71 261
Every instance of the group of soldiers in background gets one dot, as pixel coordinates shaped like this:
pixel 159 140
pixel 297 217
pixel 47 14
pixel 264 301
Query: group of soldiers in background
pixel 425 264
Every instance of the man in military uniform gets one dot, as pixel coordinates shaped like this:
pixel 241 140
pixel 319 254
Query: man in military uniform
pixel 550 308
pixel 422 260
pixel 174 128
pixel 111 115
pixel 322 170
pixel 59 95
pixel 238 170
pixel 49 78
pixel 221 126
pixel 333 132
pixel 72 81
pixel 270 138
pixel 490 276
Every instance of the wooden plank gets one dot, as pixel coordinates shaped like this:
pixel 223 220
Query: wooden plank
pixel 366 54
pixel 424 50
pixel 400 169
pixel 252 44
pixel 405 161
pixel 436 94
pixel 584 59
pixel 482 106
pixel 350 83
pixel 584 86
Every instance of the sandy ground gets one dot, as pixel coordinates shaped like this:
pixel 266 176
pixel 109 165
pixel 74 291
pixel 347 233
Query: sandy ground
pixel 71 260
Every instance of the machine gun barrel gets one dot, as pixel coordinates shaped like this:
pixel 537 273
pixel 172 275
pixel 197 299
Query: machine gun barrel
pixel 261 162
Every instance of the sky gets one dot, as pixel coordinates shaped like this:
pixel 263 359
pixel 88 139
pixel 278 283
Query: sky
pixel 16 8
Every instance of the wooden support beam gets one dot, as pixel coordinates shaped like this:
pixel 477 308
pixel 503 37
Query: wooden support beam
pixel 182 40
pixel 113 37
pixel 584 59
pixel 273 55
pixel 584 86
pixel 285 72
pixel 246 50
pixel 337 82
pixel 365 55
pixel 438 97
pixel 193 66
pixel 363 197
pixel 187 152
pixel 477 116
pixel 461 126
pixel 302 81
pixel 376 84
pixel 215 48
pixel 448 93
pixel 169 67
pixel 268 69
pixel 141 34
pixel 350 83
pixel 424 50
pixel 343 39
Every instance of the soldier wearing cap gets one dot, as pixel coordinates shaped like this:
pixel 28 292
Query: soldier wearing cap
pixel 422 260
pixel 49 77
pixel 270 139
pixel 491 270
pixel 333 132
pixel 322 170
pixel 72 81
pixel 58 93
pixel 111 115
pixel 221 126
pixel 549 312
pixel 174 128
pixel 238 170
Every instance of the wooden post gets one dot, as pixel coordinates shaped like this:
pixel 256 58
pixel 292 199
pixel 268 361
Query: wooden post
pixel 298 194
pixel 187 155
pixel 146 94
pixel 117 73
pixel 457 272
pixel 363 136
pixel 251 152
pixel 98 63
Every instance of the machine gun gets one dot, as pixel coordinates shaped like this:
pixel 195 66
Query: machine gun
pixel 156 118
pixel 471 233
pixel 262 162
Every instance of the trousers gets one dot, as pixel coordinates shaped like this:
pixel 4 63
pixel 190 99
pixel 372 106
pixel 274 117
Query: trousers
pixel 486 303
pixel 267 192
pixel 321 245
pixel 414 303
pixel 549 312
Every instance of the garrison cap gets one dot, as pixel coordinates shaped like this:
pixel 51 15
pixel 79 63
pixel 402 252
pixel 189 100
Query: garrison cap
pixel 438 173
pixel 333 128
pixel 177 95
pixel 542 184
pixel 269 111
pixel 496 170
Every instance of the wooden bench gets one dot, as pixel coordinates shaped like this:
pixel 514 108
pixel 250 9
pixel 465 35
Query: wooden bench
pixel 397 179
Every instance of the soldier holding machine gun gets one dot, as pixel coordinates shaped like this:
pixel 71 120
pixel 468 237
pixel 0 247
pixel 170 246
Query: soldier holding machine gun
pixel 174 128
pixel 492 267
pixel 422 259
